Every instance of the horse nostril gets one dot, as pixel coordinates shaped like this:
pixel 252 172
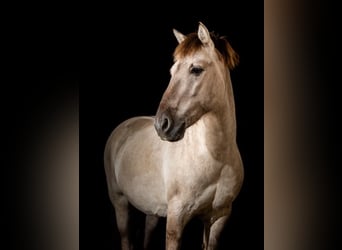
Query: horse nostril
pixel 165 124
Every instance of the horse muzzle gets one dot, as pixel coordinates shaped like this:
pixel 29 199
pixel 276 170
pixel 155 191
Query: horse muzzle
pixel 168 128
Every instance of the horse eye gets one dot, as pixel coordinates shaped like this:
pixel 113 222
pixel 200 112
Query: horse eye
pixel 196 71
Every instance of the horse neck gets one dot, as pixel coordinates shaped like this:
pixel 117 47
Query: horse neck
pixel 225 111
pixel 220 124
pixel 229 109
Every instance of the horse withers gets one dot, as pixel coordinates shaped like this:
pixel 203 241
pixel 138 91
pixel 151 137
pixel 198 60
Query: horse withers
pixel 184 162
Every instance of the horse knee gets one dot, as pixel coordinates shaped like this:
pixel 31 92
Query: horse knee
pixel 172 234
pixel 173 239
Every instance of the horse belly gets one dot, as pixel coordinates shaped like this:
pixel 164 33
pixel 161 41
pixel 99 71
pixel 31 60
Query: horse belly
pixel 144 190
pixel 139 173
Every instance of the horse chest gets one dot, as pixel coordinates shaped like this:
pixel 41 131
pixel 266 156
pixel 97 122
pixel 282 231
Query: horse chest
pixel 193 180
pixel 209 185
pixel 191 169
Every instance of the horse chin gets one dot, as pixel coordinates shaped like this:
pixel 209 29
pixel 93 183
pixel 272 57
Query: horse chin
pixel 175 138
pixel 176 134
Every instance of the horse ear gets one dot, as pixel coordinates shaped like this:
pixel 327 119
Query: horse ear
pixel 204 35
pixel 179 36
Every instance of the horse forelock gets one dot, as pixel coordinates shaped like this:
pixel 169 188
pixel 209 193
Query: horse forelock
pixel 192 44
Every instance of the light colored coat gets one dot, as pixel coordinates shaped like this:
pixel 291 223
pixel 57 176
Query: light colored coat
pixel 193 168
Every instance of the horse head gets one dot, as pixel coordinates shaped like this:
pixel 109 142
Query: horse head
pixel 198 77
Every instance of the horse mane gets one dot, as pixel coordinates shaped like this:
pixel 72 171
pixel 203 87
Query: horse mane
pixel 192 43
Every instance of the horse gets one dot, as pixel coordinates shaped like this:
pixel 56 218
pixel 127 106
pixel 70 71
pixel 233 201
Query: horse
pixel 184 161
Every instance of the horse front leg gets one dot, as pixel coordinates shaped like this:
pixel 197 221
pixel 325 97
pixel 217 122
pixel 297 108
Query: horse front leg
pixel 215 231
pixel 206 233
pixel 175 223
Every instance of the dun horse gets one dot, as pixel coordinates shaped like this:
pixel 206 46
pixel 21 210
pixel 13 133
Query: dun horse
pixel 184 162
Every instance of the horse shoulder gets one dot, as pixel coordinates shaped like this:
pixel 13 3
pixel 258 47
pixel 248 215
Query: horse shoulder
pixel 228 185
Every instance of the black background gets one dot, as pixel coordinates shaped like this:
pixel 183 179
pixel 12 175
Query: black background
pixel 125 71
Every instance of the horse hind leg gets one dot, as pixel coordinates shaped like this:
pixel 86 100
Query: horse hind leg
pixel 121 207
pixel 151 222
